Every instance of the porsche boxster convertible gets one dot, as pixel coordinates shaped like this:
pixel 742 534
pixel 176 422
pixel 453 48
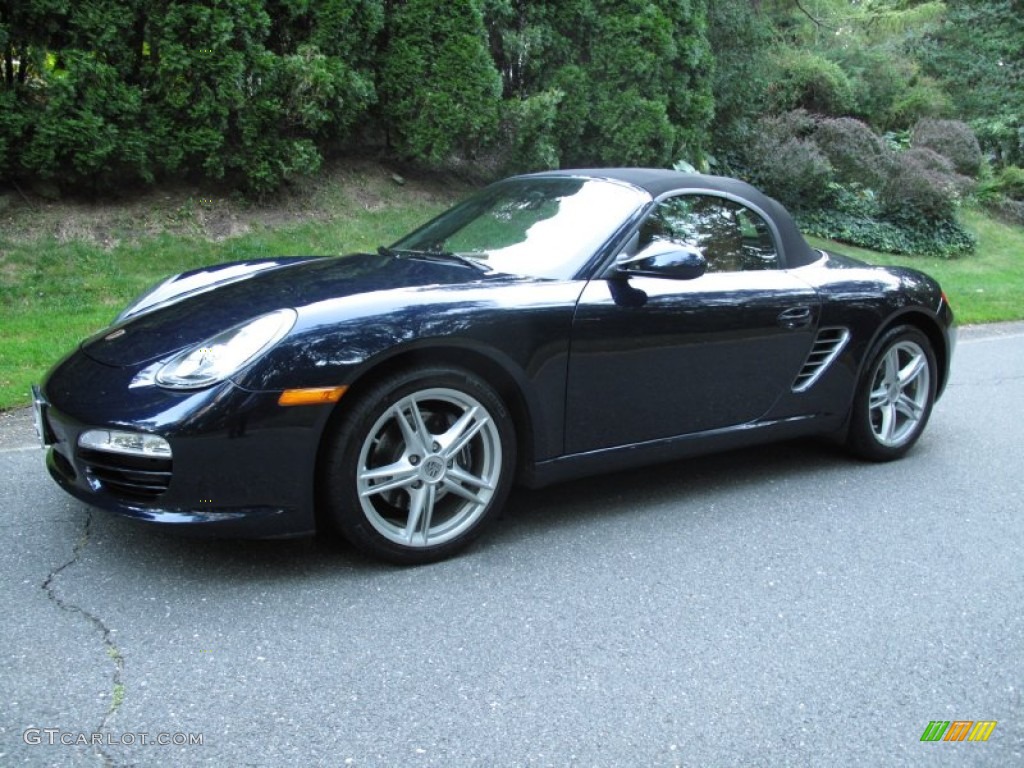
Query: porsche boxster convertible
pixel 551 326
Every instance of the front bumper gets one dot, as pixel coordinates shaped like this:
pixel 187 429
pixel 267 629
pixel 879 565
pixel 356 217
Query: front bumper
pixel 241 465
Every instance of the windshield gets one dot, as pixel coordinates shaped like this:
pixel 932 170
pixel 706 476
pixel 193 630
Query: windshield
pixel 536 227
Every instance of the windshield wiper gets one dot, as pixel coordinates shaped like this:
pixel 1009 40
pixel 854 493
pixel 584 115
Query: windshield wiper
pixel 446 256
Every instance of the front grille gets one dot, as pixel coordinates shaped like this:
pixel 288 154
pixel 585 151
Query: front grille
pixel 827 346
pixel 135 477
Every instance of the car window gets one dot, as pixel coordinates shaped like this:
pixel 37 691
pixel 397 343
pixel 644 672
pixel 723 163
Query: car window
pixel 732 237
pixel 536 227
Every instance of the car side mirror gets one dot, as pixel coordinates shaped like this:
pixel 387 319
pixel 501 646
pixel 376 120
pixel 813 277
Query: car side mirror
pixel 664 258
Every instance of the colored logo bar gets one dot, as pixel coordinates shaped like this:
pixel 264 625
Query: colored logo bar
pixel 959 730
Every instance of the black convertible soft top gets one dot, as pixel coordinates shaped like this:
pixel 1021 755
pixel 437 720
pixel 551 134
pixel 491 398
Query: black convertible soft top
pixel 659 181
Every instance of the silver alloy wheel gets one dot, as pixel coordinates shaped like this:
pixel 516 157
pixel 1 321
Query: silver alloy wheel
pixel 900 389
pixel 428 468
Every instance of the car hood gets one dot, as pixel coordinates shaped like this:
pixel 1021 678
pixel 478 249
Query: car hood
pixel 196 281
pixel 209 307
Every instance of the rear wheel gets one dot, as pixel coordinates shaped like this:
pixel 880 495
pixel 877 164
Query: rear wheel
pixel 420 465
pixel 895 396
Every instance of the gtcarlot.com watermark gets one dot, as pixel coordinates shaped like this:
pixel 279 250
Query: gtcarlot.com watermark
pixel 52 736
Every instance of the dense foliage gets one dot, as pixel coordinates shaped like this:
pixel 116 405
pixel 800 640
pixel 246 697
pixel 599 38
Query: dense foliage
pixel 438 87
pixel 99 93
pixel 631 78
pixel 873 117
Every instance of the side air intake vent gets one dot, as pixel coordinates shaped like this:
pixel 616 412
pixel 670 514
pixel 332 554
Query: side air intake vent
pixel 827 346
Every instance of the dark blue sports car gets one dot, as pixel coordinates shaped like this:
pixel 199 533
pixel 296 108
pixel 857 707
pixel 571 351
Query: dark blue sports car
pixel 552 326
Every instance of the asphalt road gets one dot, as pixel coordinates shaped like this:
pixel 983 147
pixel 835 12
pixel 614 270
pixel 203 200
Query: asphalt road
pixel 777 606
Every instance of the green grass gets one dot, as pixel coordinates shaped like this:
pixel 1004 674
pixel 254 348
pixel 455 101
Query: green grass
pixel 55 292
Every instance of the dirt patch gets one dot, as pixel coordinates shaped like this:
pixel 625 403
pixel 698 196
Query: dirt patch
pixel 215 214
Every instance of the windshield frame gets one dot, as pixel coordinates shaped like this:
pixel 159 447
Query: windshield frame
pixel 631 201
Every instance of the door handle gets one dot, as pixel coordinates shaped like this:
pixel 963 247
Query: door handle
pixel 795 317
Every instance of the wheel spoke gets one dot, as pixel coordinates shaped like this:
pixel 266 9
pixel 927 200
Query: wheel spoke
pixel 462 476
pixel 878 398
pixel 421 510
pixel 462 491
pixel 415 434
pixel 888 425
pixel 461 432
pixel 909 407
pixel 892 366
pixel 912 370
pixel 457 479
pixel 397 475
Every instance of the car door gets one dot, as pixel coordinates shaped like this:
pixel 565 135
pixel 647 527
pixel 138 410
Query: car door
pixel 656 357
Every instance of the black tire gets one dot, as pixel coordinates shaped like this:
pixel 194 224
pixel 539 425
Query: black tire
pixel 420 465
pixel 890 411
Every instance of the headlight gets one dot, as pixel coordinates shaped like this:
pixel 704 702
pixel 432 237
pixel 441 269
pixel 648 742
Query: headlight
pixel 224 354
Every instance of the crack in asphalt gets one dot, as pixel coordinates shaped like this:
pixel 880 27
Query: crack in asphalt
pixel 112 651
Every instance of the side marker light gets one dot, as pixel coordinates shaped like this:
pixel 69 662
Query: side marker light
pixel 311 396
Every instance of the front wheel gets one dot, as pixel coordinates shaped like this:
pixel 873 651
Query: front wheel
pixel 420 465
pixel 895 396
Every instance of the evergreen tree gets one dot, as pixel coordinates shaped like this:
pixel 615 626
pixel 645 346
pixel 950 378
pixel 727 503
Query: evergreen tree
pixel 632 78
pixel 439 90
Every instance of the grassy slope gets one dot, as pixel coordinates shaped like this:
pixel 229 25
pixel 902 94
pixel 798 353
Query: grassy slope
pixel 62 281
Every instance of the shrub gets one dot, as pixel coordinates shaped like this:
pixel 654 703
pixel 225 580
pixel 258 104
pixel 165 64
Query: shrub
pixel 636 75
pixel 1010 211
pixel 1002 136
pixel 925 98
pixel 856 153
pixel 888 90
pixel 952 139
pixel 922 182
pixel 86 129
pixel 798 123
pixel 912 234
pixel 1010 182
pixel 808 80
pixel 787 166
pixel 913 211
pixel 440 93
pixel 528 128
pixel 742 43
pixel 627 129
pixel 1003 194
pixel 636 81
